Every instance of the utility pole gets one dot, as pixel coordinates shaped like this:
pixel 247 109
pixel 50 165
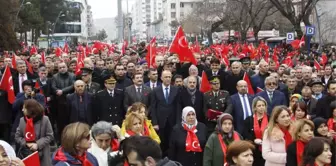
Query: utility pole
pixel 120 22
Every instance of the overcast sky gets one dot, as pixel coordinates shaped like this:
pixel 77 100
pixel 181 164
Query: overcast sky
pixel 108 8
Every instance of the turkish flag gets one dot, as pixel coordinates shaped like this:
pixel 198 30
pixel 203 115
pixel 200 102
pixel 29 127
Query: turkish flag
pixel 80 63
pixel 317 65
pixel 259 89
pixel 43 59
pixel 180 47
pixel 37 86
pixel 151 53
pixel 324 59
pixel 32 160
pixel 197 47
pixel 249 85
pixel 297 44
pixel 66 48
pixel 30 135
pixel 288 61
pixel 58 51
pixel 6 84
pixel 30 68
pixel 33 50
pixel 123 48
pixel 13 61
pixel 205 85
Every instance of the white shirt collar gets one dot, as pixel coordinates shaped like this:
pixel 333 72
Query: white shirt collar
pixel 164 87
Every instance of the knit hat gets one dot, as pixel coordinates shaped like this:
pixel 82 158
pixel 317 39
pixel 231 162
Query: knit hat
pixel 220 121
pixel 317 123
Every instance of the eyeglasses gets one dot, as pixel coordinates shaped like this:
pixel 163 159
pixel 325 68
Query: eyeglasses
pixel 271 83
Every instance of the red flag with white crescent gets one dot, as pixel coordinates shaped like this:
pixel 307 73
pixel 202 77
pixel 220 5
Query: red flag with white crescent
pixel 30 135
pixel 6 84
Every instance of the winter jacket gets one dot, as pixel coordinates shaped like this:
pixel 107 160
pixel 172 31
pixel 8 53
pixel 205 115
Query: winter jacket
pixel 62 158
pixel 274 148
pixel 152 132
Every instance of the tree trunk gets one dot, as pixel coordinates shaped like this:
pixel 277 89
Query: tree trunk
pixel 26 37
pixel 209 34
pixel 297 28
pixel 243 36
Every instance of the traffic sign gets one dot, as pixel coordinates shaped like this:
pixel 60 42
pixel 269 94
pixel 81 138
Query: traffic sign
pixel 290 37
pixel 310 31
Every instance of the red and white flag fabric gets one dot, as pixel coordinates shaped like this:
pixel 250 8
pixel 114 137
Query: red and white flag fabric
pixel 123 48
pixel 58 51
pixel 66 48
pixel 29 66
pixel 32 160
pixel 80 63
pixel 151 53
pixel 317 65
pixel 43 58
pixel 297 44
pixel 6 84
pixel 181 48
pixel 13 61
pixel 259 89
pixel 33 50
pixel 249 85
pixel 205 85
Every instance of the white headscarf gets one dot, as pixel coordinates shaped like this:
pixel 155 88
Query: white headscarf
pixel 8 149
pixel 185 112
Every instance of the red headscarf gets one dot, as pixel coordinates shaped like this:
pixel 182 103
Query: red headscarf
pixel 30 135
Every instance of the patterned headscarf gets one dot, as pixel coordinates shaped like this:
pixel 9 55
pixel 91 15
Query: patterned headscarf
pixel 220 121
pixel 185 112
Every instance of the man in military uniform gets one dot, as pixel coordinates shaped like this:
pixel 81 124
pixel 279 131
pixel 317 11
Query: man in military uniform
pixel 91 87
pixel 216 100
pixel 246 61
pixel 109 102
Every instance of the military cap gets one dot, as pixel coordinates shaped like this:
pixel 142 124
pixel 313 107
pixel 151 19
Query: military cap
pixel 214 78
pixel 316 82
pixel 234 59
pixel 109 79
pixel 86 71
pixel 245 60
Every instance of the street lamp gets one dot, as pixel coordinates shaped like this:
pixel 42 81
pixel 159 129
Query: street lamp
pixel 17 14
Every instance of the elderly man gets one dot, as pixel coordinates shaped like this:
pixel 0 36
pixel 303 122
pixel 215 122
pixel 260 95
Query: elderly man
pixel 193 71
pixel 291 88
pixel 307 97
pixel 79 105
pixel 21 76
pixel 90 87
pixel 258 80
pixel 191 96
pixel 241 105
pixel 271 95
pixel 307 72
pixel 61 86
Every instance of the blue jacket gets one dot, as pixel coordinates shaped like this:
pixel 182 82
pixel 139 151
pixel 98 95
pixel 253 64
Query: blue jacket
pixel 62 158
pixel 278 99
pixel 238 111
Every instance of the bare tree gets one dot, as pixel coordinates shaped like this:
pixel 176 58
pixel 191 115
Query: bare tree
pixel 296 11
pixel 328 27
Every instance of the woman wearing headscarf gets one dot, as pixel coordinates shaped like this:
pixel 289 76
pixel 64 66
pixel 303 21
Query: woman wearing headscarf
pixel 105 141
pixel 7 155
pixel 216 147
pixel 188 139
pixel 34 132
pixel 255 125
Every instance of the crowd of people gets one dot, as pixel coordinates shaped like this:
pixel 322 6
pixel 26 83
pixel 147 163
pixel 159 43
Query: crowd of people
pixel 118 110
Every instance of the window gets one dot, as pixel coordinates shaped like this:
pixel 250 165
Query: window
pixel 182 14
pixel 173 14
pixel 181 5
pixel 68 28
pixel 173 5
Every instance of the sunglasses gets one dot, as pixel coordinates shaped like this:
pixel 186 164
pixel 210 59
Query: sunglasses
pixel 271 83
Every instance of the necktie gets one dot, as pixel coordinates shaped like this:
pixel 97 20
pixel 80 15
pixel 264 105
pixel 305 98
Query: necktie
pixel 153 86
pixel 111 94
pixel 270 96
pixel 166 95
pixel 214 74
pixel 80 99
pixel 245 107
pixel 139 90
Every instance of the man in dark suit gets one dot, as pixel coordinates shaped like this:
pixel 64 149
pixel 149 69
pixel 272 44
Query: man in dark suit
pixel 307 97
pixel 164 108
pixel 241 105
pixel 21 76
pixel 191 96
pixel 122 80
pixel 258 80
pixel 216 70
pixel 109 102
pixel 290 88
pixel 79 105
pixel 137 92
pixel 323 105
pixel 153 79
pixel 327 74
pixel 90 87
pixel 272 96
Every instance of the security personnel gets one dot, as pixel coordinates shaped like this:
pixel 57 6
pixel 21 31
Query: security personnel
pixel 109 102
pixel 91 87
pixel 216 100
pixel 246 61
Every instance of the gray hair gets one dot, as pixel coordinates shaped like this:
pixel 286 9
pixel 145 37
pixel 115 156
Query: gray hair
pixel 20 62
pixel 270 78
pixel 191 77
pixel 193 67
pixel 79 81
pixel 101 127
pixel 255 101
pixel 237 63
